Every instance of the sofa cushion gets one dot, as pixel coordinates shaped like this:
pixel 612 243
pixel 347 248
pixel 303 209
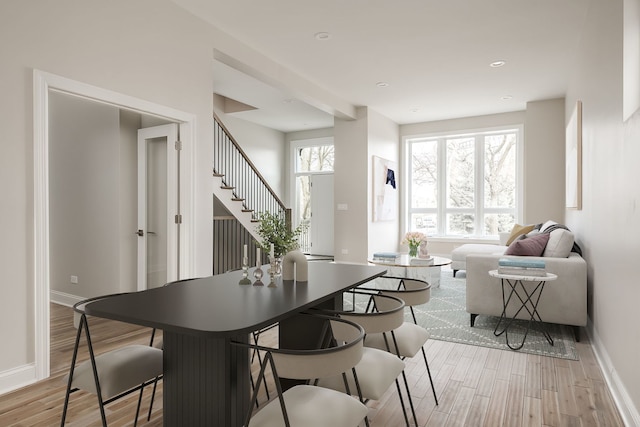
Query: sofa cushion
pixel 559 244
pixel 517 231
pixel 532 246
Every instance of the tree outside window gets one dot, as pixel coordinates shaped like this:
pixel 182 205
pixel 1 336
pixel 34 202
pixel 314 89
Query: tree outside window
pixel 463 185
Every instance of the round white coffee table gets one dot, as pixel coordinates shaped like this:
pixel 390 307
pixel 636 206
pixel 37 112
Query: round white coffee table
pixel 416 268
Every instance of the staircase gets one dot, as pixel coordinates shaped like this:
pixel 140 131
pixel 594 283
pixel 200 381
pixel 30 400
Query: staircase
pixel 244 193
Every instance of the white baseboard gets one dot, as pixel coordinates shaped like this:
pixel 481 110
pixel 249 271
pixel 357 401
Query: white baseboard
pixel 628 411
pixel 65 299
pixel 16 378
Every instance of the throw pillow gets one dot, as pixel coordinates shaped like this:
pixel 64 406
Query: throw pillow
pixel 560 243
pixel 517 231
pixel 532 246
pixel 547 225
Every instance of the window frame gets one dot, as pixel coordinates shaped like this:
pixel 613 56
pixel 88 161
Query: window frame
pixel 296 145
pixel 479 210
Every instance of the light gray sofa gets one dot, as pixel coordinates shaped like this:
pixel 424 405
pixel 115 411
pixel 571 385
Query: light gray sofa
pixel 564 301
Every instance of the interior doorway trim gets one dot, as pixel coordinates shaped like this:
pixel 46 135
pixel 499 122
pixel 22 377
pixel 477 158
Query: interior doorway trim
pixel 43 82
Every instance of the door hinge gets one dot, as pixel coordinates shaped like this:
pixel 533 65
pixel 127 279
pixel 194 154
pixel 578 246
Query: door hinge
pixel 178 145
pixel 178 219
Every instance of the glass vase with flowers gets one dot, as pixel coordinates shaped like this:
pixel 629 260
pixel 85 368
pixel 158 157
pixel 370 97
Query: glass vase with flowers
pixel 413 239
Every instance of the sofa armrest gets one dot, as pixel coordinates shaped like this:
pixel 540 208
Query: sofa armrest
pixel 563 301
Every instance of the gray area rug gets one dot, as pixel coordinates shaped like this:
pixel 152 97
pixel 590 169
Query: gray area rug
pixel 445 317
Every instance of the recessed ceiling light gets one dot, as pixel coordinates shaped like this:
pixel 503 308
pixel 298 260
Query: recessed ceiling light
pixel 382 84
pixel 506 97
pixel 496 64
pixel 322 35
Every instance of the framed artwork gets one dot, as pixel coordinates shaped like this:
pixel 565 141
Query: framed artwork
pixel 573 167
pixel 385 189
pixel 631 59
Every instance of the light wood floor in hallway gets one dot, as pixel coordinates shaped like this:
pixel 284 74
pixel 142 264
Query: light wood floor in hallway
pixel 476 386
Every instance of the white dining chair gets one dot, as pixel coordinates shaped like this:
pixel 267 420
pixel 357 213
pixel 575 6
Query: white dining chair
pixel 378 369
pixel 307 405
pixel 113 374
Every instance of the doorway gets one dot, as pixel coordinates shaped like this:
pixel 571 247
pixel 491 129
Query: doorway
pixel 44 85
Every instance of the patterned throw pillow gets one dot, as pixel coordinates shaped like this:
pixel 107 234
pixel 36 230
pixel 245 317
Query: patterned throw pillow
pixel 531 246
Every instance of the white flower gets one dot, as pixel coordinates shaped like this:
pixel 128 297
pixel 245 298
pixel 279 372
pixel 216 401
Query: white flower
pixel 414 238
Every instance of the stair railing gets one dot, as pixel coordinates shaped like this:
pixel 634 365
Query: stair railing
pixel 240 175
pixel 248 186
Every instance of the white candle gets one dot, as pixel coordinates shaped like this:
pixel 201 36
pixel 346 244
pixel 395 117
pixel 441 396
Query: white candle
pixel 258 264
pixel 245 251
pixel 271 251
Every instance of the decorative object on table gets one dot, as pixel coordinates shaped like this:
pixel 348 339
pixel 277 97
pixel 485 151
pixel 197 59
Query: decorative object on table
pixel 294 267
pixel 573 158
pixel 423 252
pixel 422 261
pixel 245 268
pixel 390 257
pixel 258 273
pixel 274 268
pixel 277 236
pixel 414 239
pixel 522 267
pixel 385 192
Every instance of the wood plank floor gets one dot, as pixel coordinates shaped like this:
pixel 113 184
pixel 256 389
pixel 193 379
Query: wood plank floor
pixel 476 386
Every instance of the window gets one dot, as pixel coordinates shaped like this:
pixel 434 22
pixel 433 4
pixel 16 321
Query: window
pixel 310 157
pixel 463 184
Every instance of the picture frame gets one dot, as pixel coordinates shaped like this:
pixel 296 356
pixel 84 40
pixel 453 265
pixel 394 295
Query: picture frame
pixel 573 158
pixel 631 59
pixel 385 189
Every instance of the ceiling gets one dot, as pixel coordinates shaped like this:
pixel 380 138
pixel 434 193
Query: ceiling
pixel 434 55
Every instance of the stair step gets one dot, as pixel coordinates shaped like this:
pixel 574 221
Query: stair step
pixel 247 210
pixel 227 187
pixel 219 175
pixel 237 199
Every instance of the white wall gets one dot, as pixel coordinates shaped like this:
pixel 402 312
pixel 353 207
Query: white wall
pixel 544 153
pixel 351 171
pixel 384 142
pixel 148 49
pixel 608 222
pixel 84 209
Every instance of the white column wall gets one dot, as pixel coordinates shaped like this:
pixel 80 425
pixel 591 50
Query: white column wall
pixel 608 222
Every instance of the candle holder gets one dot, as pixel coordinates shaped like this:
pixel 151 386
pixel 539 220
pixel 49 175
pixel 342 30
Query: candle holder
pixel 257 274
pixel 245 272
pixel 273 271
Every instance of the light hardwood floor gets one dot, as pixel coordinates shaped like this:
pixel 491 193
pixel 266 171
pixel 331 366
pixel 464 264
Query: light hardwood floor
pixel 476 386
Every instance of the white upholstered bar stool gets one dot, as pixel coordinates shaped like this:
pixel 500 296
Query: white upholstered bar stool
pixel 376 371
pixel 410 337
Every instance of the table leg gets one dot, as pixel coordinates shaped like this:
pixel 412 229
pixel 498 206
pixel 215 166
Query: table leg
pixel 531 300
pixel 206 381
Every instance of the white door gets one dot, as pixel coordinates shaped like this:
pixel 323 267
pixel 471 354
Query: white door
pixel 157 206
pixel 322 214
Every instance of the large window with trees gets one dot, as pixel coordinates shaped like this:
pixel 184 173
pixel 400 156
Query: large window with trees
pixel 464 184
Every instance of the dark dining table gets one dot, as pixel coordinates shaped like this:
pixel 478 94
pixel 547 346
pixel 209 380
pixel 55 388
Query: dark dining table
pixel 206 377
